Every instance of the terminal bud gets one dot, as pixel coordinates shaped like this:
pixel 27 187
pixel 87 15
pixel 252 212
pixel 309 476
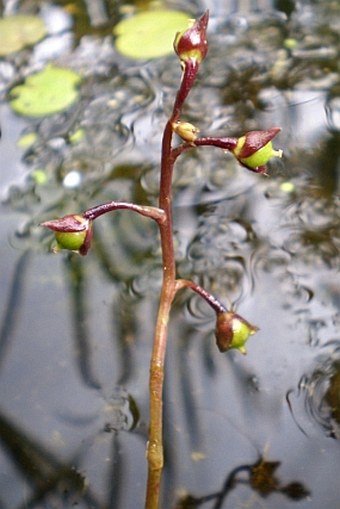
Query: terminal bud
pixel 191 44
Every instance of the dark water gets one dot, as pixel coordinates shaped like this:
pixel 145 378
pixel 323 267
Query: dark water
pixel 75 339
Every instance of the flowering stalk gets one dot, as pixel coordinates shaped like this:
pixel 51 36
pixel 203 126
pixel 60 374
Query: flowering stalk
pixel 74 232
pixel 190 64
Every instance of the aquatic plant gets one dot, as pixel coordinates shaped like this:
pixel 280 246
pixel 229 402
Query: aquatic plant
pixel 74 232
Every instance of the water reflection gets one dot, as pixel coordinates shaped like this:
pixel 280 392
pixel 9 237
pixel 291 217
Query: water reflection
pixel 48 479
pixel 78 311
pixel 321 393
pixel 261 477
pixel 75 334
pixel 13 304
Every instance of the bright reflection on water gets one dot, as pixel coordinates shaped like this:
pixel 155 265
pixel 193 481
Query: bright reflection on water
pixel 75 339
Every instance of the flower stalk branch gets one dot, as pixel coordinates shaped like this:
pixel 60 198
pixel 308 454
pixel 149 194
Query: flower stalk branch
pixel 144 210
pixel 210 299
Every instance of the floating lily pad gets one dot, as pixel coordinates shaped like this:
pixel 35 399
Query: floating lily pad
pixel 49 91
pixel 16 32
pixel 149 34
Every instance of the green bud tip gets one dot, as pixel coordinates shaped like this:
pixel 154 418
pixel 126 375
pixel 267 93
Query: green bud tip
pixel 232 331
pixel 255 149
pixel 261 156
pixel 72 232
pixel 70 241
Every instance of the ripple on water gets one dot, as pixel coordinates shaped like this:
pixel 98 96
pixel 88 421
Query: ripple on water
pixel 321 392
pixel 148 283
pixel 309 226
pixel 120 411
pixel 315 246
pixel 333 112
pixel 220 251
pixel 117 412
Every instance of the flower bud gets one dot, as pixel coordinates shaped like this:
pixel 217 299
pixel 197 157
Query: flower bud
pixel 254 149
pixel 232 331
pixel 188 132
pixel 72 232
pixel 191 44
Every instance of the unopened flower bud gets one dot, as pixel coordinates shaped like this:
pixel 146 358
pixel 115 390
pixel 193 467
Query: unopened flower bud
pixel 255 149
pixel 191 44
pixel 72 232
pixel 186 131
pixel 232 331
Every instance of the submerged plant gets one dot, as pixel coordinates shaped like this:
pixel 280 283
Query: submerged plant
pixel 74 232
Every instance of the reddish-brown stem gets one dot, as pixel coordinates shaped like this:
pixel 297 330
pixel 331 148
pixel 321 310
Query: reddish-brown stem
pixel 155 454
pixel 155 444
pixel 170 286
pixel 190 70
pixel 212 301
pixel 151 212
pixel 223 143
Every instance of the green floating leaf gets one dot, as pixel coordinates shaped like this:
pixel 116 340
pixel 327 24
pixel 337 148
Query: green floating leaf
pixel 16 32
pixel 149 34
pixel 49 91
